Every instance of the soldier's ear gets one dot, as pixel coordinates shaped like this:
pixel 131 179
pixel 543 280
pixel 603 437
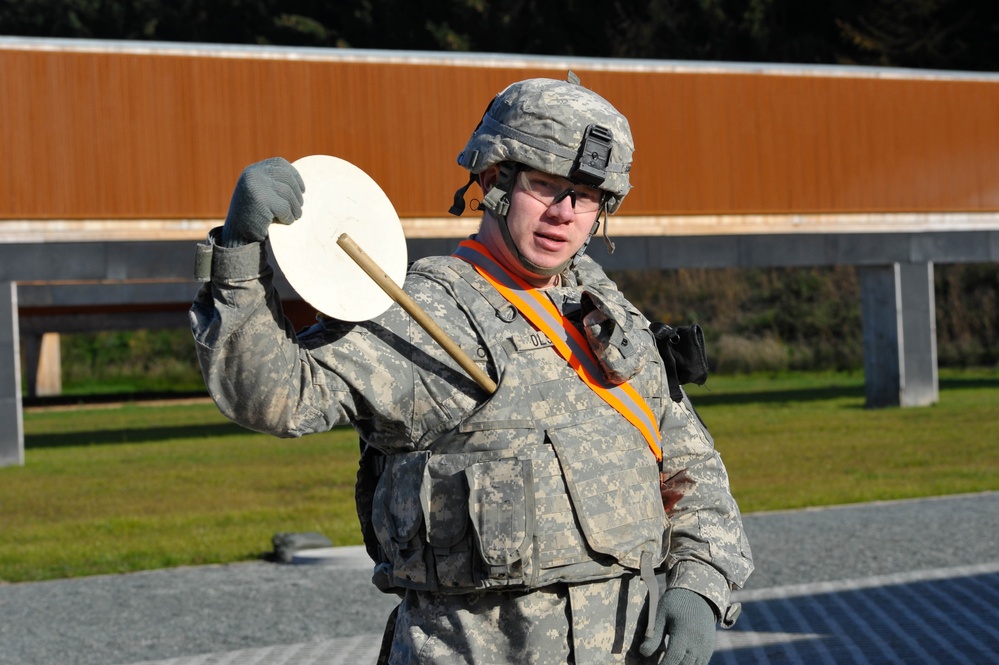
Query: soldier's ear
pixel 488 178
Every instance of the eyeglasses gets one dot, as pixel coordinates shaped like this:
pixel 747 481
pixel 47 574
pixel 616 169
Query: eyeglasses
pixel 548 192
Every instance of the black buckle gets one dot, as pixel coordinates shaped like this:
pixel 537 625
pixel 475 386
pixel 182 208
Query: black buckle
pixel 594 156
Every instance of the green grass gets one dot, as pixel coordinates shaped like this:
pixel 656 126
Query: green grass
pixel 116 489
pixel 137 487
pixel 806 439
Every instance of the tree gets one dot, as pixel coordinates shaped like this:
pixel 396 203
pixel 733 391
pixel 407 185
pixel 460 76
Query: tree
pixel 937 34
pixel 951 34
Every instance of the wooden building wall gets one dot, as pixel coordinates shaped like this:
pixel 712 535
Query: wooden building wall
pixel 140 133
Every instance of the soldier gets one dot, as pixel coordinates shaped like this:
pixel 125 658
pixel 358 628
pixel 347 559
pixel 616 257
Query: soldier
pixel 530 525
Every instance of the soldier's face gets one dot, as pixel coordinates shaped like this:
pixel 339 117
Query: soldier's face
pixel 547 232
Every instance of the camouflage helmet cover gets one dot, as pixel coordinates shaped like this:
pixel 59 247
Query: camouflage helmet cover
pixel 543 124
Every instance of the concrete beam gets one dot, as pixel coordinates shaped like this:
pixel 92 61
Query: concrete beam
pixel 104 261
pixel 102 322
pixel 103 295
pixel 898 312
pixel 11 428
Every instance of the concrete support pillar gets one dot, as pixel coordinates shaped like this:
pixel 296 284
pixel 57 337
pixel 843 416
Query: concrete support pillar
pixel 900 341
pixel 919 314
pixel 43 364
pixel 11 432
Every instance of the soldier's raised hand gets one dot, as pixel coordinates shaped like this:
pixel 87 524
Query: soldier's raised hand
pixel 268 191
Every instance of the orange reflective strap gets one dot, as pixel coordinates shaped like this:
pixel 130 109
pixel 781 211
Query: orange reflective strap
pixel 567 340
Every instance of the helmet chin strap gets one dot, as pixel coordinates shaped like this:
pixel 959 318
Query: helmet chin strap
pixel 497 202
pixel 574 261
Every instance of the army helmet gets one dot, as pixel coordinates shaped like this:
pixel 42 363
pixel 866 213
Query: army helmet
pixel 558 127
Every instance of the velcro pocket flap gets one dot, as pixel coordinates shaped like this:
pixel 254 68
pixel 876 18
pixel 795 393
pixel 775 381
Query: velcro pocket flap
pixel 497 503
pixel 405 499
pixel 447 513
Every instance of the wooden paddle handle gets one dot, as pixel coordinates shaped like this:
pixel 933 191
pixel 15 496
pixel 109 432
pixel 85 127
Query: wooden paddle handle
pixel 369 266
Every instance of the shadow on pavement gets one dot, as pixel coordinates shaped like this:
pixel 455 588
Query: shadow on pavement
pixel 948 620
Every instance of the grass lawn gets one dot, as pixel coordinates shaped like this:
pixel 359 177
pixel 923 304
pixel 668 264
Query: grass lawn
pixel 138 487
pixel 807 440
pixel 134 487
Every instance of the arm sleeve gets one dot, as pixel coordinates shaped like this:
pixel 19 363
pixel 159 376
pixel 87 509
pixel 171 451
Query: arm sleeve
pixel 253 366
pixel 385 377
pixel 709 552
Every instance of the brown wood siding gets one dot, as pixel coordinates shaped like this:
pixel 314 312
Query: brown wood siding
pixel 107 135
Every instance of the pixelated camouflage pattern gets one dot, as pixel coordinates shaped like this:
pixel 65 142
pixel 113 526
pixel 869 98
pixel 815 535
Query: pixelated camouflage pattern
pixel 704 511
pixel 613 333
pixel 600 623
pixel 540 123
pixel 609 621
pixel 402 393
pixel 443 629
pixel 550 499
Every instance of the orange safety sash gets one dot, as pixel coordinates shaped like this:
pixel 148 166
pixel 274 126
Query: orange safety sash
pixel 566 338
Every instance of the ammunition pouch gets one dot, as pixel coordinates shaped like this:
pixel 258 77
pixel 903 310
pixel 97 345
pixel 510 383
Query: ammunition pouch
pixel 464 522
pixel 683 354
pixel 449 523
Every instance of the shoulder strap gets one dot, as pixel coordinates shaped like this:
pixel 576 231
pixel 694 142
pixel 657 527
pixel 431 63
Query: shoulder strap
pixel 567 340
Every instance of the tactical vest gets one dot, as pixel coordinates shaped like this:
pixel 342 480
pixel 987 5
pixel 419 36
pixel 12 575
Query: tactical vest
pixel 543 482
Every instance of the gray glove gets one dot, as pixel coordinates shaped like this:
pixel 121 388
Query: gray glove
pixel 267 191
pixel 689 621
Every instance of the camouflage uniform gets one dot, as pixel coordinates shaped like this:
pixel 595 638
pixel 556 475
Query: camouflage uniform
pixel 519 602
